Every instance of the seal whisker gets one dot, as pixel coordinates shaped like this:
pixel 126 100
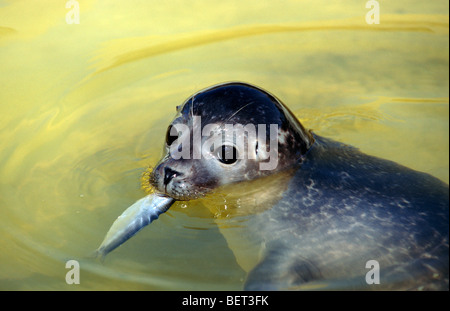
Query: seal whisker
pixel 192 106
pixel 239 110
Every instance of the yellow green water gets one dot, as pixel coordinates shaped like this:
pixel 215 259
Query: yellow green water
pixel 84 109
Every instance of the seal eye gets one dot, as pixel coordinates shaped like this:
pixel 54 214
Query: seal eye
pixel 169 137
pixel 227 154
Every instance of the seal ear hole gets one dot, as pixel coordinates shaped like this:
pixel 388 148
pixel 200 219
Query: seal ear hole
pixel 227 154
pixel 169 137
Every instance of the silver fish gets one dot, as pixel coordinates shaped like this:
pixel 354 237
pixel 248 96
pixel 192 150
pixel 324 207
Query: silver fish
pixel 133 219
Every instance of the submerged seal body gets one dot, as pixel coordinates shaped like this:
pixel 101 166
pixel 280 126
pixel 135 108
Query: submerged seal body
pixel 343 209
pixel 335 211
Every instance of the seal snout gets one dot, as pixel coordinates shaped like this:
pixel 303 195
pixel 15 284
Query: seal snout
pixel 176 183
pixel 169 174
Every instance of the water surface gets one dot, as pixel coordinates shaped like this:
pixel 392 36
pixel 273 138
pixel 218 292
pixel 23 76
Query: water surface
pixel 84 110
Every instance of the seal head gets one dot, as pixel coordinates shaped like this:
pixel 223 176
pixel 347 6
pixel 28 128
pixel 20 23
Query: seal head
pixel 226 134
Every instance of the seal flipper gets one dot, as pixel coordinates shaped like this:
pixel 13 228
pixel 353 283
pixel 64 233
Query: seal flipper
pixel 133 219
pixel 279 271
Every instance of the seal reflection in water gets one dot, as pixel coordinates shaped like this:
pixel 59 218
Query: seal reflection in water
pixel 321 213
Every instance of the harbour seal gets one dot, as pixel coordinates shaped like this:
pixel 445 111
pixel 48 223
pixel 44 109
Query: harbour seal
pixel 324 210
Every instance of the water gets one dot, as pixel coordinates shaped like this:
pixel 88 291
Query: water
pixel 84 110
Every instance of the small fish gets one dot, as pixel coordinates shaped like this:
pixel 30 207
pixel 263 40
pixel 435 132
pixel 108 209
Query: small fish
pixel 133 219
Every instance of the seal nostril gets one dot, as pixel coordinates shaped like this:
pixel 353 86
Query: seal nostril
pixel 169 174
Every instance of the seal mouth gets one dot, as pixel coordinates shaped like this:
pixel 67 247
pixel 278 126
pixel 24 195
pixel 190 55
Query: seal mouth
pixel 150 181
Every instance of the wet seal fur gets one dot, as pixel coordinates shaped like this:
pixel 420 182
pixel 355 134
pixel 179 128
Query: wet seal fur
pixel 340 208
